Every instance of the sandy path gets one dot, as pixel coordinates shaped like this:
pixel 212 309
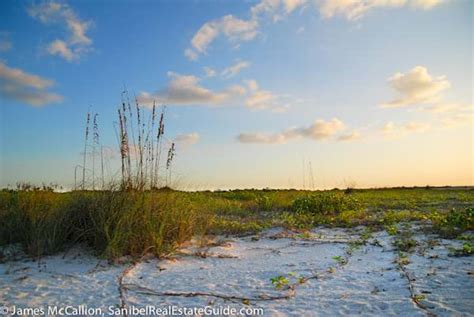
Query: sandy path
pixel 237 271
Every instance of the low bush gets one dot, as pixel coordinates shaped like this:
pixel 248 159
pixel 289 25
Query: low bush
pixel 325 203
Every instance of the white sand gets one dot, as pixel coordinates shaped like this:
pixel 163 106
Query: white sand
pixel 370 283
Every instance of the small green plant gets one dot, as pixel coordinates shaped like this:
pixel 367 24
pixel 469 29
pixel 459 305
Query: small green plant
pixel 402 259
pixel 279 281
pixel 305 235
pixel 264 202
pixel 405 244
pixel 467 249
pixel 391 230
pixel 419 297
pixel 339 259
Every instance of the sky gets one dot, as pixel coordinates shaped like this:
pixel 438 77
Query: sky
pixel 264 93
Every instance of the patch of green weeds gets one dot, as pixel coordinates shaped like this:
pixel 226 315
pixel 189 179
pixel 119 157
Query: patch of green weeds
pixel 279 281
pixel 467 249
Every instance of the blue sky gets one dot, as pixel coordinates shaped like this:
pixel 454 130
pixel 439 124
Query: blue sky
pixel 372 93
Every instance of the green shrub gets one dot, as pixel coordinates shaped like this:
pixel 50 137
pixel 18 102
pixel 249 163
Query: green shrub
pixel 264 203
pixel 463 219
pixel 325 203
pixel 454 222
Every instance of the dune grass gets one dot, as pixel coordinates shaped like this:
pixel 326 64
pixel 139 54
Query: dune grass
pixel 113 223
pixel 116 223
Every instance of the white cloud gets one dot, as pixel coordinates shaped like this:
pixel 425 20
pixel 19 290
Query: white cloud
pixel 60 48
pixel 210 72
pixel 190 54
pixel 227 72
pixel 235 69
pixel 262 138
pixel 319 130
pixel 234 29
pixel 391 129
pixel 291 5
pixel 276 8
pixel 260 99
pixel 77 43
pixel 352 136
pixel 444 107
pixel 238 30
pixel 452 115
pixel 20 86
pixel 458 119
pixel 252 84
pixel 186 90
pixel 187 139
pixel 356 9
pixel 416 87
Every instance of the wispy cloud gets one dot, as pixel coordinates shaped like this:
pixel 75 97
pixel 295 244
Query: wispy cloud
pixel 351 136
pixel 393 130
pixel 260 99
pixel 238 30
pixel 20 86
pixel 210 72
pixel 234 29
pixel 187 90
pixel 452 115
pixel 356 9
pixel 416 87
pixel 235 69
pixel 319 130
pixel 187 139
pixel 77 43
pixel 5 42
pixel 458 119
pixel 227 72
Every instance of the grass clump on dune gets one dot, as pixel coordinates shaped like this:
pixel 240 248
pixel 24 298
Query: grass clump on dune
pixel 113 223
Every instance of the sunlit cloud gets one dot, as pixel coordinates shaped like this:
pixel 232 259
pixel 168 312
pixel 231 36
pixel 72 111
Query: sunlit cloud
pixel 237 30
pixel 187 90
pixel 416 87
pixel 78 42
pixel 356 9
pixel 235 69
pixel 210 72
pixel 458 119
pixel 59 47
pixel 227 72
pixel 391 129
pixel 15 84
pixel 187 139
pixel 318 131
pixel 260 99
pixel 351 136
pixel 234 29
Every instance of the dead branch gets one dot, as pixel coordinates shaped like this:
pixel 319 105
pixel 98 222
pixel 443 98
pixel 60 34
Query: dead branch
pixel 146 291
